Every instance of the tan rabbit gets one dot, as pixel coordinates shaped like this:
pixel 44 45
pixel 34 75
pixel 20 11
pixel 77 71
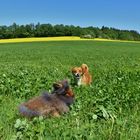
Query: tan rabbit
pixel 82 75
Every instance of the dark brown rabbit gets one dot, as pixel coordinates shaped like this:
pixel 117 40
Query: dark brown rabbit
pixel 53 104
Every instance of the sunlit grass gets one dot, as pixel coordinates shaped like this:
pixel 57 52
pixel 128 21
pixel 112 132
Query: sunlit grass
pixel 64 38
pixel 106 110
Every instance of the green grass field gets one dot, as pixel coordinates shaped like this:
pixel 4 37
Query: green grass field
pixel 108 110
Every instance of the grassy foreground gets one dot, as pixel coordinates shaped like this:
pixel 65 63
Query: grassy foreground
pixel 108 110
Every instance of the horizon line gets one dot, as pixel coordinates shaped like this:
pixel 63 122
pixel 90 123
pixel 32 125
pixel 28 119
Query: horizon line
pixel 70 25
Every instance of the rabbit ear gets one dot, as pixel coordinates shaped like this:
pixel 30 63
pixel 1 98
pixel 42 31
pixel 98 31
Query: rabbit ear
pixel 72 69
pixel 84 68
pixel 65 83
pixel 57 85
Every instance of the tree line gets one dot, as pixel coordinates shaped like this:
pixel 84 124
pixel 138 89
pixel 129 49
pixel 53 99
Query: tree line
pixel 49 30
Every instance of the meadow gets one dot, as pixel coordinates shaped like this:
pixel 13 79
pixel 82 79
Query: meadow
pixel 107 110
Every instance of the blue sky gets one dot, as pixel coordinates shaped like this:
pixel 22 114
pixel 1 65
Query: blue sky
pixel 122 14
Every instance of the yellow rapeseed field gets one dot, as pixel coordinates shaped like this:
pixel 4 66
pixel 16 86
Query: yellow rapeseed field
pixel 64 38
pixel 34 39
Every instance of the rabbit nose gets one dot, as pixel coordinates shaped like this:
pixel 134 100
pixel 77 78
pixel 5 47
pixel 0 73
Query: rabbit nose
pixel 77 75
